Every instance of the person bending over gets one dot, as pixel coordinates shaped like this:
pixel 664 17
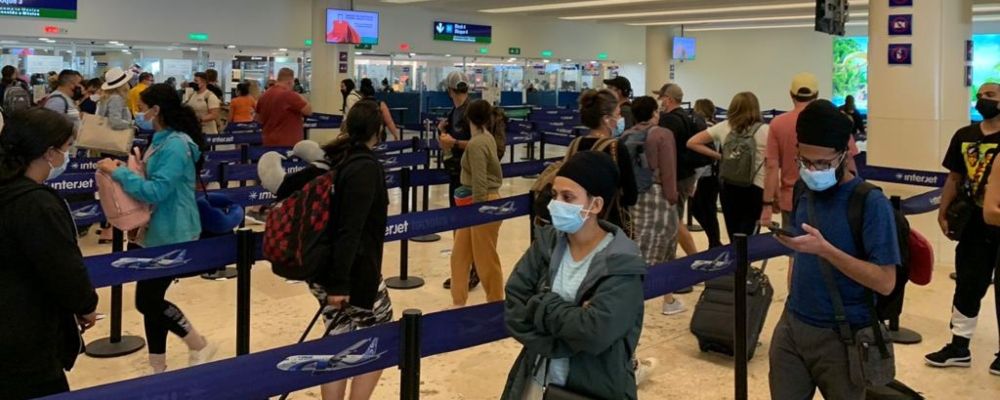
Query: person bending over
pixel 575 299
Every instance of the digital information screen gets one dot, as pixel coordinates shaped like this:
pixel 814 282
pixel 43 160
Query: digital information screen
pixel 351 27
pixel 684 48
pixel 61 9
pixel 466 33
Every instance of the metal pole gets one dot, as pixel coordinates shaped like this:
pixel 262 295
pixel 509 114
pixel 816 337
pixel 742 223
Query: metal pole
pixel 740 335
pixel 900 334
pixel 115 345
pixel 409 365
pixel 404 280
pixel 244 262
pixel 433 237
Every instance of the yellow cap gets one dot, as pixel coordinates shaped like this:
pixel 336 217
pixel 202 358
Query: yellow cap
pixel 804 84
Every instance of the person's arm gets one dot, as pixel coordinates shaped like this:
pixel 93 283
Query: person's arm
pixel 49 243
pixel 118 114
pixel 630 193
pixel 991 201
pixel 300 104
pixel 600 322
pixel 355 200
pixel 699 144
pixel 389 123
pixel 160 182
pixel 771 179
pixel 948 194
pixel 521 300
pixel 662 154
pixel 478 156
pixel 214 106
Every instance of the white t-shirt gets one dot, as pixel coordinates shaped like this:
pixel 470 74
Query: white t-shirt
pixel 721 131
pixel 201 103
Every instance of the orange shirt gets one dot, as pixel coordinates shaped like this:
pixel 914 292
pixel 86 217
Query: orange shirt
pixel 241 109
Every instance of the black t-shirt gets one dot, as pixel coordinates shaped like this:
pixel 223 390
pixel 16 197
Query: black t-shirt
pixel 971 154
pixel 683 126
pixel 458 127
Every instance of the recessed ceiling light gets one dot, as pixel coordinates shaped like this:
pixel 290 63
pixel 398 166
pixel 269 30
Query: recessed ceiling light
pixel 545 61
pixel 568 60
pixel 447 55
pixel 358 53
pixel 745 19
pixel 983 8
pixel 640 62
pixel 712 10
pixel 193 49
pixel 751 27
pixel 230 46
pixel 562 6
pixel 282 49
pixel 124 50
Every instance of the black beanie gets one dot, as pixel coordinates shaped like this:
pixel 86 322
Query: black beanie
pixel 595 171
pixel 822 124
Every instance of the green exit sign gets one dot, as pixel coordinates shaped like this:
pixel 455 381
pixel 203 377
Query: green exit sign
pixel 546 53
pixel 602 56
pixel 363 46
pixel 514 51
pixel 484 50
pixel 198 37
pixel 308 42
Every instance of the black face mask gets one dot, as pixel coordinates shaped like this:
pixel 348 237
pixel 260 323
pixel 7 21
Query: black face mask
pixel 987 108
pixel 194 86
pixel 77 93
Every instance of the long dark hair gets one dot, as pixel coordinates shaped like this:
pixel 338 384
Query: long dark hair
pixel 8 75
pixel 27 135
pixel 367 88
pixel 492 119
pixel 363 121
pixel 348 88
pixel 173 114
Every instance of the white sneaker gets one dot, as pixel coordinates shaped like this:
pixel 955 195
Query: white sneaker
pixel 676 307
pixel 645 369
pixel 198 357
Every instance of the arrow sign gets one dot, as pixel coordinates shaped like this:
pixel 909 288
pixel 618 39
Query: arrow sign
pixel 440 27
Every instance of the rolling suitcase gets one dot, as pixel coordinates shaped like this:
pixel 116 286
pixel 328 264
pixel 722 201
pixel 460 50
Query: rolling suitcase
pixel 713 321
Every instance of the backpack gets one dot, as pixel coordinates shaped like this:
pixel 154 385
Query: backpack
pixel 15 99
pixel 685 126
pixel 891 305
pixel 738 166
pixel 634 141
pixel 53 95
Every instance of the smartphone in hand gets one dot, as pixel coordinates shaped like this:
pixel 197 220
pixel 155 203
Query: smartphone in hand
pixel 778 230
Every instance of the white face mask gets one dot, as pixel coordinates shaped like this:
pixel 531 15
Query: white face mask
pixel 95 97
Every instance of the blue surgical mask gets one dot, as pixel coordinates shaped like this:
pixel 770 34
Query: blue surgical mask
pixel 142 122
pixel 567 217
pixel 54 172
pixel 619 127
pixel 820 180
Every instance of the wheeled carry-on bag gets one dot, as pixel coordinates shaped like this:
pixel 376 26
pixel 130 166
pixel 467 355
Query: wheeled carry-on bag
pixel 713 322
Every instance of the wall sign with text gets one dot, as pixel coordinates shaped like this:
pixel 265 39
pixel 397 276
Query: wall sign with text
pixel 465 33
pixel 60 9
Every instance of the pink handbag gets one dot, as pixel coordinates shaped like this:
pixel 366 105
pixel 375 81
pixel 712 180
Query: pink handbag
pixel 121 210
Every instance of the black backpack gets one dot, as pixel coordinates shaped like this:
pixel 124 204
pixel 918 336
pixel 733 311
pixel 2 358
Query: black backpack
pixel 14 98
pixel 684 125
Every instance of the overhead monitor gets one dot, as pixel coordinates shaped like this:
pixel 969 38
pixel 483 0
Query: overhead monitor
pixel 59 9
pixel 351 27
pixel 684 48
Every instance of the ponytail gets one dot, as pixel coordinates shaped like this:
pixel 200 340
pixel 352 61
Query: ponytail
pixel 498 127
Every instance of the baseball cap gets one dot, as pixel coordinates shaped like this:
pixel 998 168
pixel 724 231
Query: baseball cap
pixel 621 83
pixel 671 90
pixel 804 84
pixel 457 81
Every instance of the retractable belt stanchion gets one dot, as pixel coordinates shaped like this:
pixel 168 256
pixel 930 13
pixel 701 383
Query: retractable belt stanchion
pixel 226 273
pixel 899 334
pixel 426 189
pixel 115 345
pixel 244 262
pixel 740 335
pixel 404 280
pixel 409 363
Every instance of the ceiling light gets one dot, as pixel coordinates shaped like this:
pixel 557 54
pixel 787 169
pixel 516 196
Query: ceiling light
pixel 545 61
pixel 230 46
pixel 44 39
pixel 751 27
pixel 640 62
pixel 714 10
pixel 727 20
pixel 568 60
pixel 447 55
pixel 193 49
pixel 125 51
pixel 561 6
pixel 985 18
pixel 413 54
pixel 114 42
pixel 282 49
pixel 403 1
pixel 982 8
pixel 358 53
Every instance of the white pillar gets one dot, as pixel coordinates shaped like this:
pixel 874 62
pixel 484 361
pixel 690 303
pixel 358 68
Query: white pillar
pixel 657 58
pixel 325 96
pixel 915 109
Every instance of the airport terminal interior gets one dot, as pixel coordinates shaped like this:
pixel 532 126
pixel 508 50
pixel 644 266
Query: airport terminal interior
pixel 890 81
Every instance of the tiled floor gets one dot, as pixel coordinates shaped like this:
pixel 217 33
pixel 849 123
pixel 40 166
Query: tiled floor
pixel 281 310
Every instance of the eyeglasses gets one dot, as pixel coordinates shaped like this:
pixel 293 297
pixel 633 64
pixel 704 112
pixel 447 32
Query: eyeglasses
pixel 818 165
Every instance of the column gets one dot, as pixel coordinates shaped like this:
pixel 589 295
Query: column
pixel 915 109
pixel 657 58
pixel 326 76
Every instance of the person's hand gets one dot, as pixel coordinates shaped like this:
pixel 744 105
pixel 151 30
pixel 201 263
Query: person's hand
pixel 812 242
pixel 442 124
pixel 108 165
pixel 447 142
pixel 943 222
pixel 337 302
pixel 765 215
pixel 86 321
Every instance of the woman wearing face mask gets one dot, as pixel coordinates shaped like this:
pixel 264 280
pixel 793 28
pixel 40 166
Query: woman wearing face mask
pixel 204 103
pixel 600 111
pixel 575 299
pixel 45 292
pixel 351 96
pixel 169 186
pixel 92 95
pixel 113 104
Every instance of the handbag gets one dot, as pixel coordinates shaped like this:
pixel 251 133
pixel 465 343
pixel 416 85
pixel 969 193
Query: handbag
pixel 870 357
pixel 96 134
pixel 556 392
pixel 964 206
pixel 121 210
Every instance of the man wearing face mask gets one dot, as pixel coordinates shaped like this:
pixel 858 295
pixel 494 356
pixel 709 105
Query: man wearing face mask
pixel 834 270
pixel 66 96
pixel 968 160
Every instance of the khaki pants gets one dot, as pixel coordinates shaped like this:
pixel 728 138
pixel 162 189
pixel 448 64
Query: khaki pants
pixel 477 245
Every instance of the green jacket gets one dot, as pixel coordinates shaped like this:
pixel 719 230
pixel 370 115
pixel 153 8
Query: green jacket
pixel 598 332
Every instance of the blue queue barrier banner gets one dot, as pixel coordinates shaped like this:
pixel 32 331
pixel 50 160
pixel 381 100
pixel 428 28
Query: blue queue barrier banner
pixel 904 176
pixel 242 138
pixel 523 138
pixel 403 160
pixel 87 213
pixel 223 156
pixel 248 172
pixel 406 226
pixel 429 177
pixel 322 121
pixel 525 168
pixel 76 183
pixel 558 139
pixel 248 196
pixel 922 203
pixel 520 126
pixel 82 164
pixel 312 363
pixel 393 179
pixel 254 153
pixel 243 127
pixel 160 262
pixel 393 146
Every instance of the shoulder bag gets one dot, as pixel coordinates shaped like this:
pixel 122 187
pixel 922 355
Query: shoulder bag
pixel 96 134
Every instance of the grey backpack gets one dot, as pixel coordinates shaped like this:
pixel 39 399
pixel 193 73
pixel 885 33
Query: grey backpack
pixel 739 163
pixel 15 99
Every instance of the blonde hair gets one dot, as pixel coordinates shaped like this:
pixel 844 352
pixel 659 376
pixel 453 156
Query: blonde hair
pixel 107 94
pixel 744 111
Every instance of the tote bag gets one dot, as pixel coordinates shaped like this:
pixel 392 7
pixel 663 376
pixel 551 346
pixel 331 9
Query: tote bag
pixel 96 134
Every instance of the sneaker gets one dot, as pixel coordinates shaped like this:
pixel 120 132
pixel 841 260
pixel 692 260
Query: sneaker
pixel 995 367
pixel 676 307
pixel 950 356
pixel 473 281
pixel 198 357
pixel 645 369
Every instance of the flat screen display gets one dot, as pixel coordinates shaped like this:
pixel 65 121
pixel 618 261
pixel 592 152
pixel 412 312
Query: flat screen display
pixel 60 9
pixel 351 27
pixel 684 48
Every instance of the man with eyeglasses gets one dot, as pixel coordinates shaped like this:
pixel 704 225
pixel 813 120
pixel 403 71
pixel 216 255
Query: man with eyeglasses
pixel 807 351
pixel 969 160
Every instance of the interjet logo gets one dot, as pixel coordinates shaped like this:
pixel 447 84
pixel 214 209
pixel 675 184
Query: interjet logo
pixel 918 178
pixel 719 263
pixel 507 208
pixel 73 185
pixel 262 195
pixel 83 166
pixel 172 259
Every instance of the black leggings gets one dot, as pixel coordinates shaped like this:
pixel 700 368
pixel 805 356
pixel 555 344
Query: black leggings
pixel 741 207
pixel 975 266
pixel 160 315
pixel 703 208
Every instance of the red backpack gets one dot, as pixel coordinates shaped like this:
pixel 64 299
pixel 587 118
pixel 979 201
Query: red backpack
pixel 293 241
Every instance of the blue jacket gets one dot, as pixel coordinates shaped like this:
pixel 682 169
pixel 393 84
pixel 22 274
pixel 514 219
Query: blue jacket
pixel 169 186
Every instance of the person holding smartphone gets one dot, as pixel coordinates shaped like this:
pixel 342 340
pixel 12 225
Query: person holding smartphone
pixel 454 135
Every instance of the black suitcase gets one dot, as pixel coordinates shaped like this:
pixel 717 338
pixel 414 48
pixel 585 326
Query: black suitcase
pixel 713 321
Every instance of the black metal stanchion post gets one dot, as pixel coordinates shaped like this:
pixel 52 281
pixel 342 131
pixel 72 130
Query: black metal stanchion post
pixel 409 363
pixel 115 345
pixel 404 280
pixel 899 334
pixel 690 218
pixel 433 237
pixel 244 262
pixel 740 334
